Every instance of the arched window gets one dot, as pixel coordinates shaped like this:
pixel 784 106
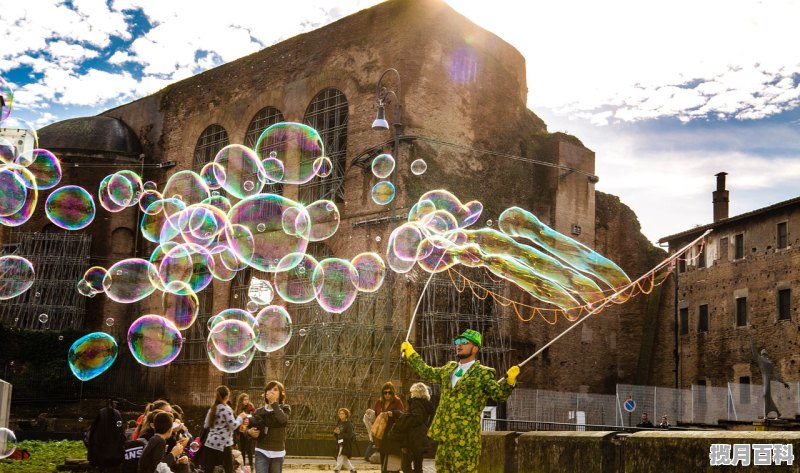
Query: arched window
pixel 265 118
pixel 213 139
pixel 327 113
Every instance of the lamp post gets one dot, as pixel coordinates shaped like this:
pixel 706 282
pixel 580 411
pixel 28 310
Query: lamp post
pixel 385 97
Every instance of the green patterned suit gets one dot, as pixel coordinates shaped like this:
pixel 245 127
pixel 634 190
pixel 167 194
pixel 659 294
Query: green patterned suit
pixel 457 423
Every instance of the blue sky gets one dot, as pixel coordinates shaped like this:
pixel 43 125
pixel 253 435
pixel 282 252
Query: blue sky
pixel 667 94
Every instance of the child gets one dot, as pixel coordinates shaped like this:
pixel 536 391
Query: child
pixel 154 452
pixel 345 439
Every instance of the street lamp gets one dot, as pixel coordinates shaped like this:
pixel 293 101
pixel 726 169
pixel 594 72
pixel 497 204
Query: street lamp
pixel 385 97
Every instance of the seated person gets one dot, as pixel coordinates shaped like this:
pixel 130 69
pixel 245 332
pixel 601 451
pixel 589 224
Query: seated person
pixel 156 450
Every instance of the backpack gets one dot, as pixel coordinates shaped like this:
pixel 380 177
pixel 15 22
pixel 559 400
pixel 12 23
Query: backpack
pixel 106 438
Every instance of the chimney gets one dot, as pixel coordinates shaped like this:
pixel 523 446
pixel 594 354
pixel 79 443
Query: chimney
pixel 720 198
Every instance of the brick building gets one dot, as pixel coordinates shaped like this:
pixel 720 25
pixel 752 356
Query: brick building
pixel 463 94
pixel 737 288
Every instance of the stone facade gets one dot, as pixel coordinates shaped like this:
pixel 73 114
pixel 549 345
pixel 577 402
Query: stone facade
pixel 762 272
pixel 463 96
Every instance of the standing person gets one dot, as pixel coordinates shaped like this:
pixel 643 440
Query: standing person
pixel 221 424
pixel 645 422
pixel 418 419
pixel 345 435
pixel 269 429
pixel 245 443
pixel 387 409
pixel 466 385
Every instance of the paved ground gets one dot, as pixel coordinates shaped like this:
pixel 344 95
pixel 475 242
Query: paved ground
pixel 316 464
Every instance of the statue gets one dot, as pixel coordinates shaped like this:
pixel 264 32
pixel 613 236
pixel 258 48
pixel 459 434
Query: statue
pixel 768 372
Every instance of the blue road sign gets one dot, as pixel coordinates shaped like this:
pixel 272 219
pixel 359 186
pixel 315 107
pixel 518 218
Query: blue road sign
pixel 630 405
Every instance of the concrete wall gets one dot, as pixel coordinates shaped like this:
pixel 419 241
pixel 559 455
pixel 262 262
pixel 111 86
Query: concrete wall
pixel 610 452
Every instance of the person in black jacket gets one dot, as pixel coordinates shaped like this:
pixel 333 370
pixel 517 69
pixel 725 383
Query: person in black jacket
pixel 155 451
pixel 416 423
pixel 269 429
pixel 345 435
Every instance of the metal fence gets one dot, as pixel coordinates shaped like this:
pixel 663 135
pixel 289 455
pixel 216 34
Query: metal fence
pixel 697 405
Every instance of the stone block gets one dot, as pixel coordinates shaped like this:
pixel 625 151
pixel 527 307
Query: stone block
pixel 553 452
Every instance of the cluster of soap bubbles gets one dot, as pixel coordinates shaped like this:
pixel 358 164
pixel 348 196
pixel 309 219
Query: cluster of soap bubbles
pixel 551 267
pixel 383 166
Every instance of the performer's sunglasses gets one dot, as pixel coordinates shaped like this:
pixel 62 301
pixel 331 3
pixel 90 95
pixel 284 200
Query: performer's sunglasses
pixel 460 341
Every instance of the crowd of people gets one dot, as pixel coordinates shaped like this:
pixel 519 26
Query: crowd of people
pixel 245 439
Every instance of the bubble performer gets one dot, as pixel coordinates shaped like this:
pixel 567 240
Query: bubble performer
pixel 466 386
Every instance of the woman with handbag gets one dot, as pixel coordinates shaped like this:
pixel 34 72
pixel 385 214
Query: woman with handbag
pixel 221 423
pixel 417 420
pixel 388 408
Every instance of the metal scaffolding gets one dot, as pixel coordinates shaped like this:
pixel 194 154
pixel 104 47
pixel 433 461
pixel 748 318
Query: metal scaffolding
pixel 60 260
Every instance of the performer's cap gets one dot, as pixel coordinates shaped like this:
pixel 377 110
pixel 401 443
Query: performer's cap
pixel 473 336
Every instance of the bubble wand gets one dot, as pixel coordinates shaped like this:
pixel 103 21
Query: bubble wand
pixel 613 296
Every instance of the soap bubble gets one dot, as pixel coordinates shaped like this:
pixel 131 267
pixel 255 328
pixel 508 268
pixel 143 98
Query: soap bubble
pixel 295 286
pixel 229 364
pixel 8 441
pixel 130 280
pixel 70 207
pixel 154 340
pixel 243 174
pixel 91 355
pixel 260 291
pixel 180 309
pixel 370 270
pixel 334 282
pixel 293 143
pixel 383 192
pixel 382 166
pixel 60 338
pixel 189 186
pixel 43 318
pixel 302 332
pixel 274 328
pixel 418 167
pixel 110 322
pixel 16 276
pixel 13 190
pixel 94 277
pixel 119 423
pixel 324 166
pixel 232 337
pixel 8 100
pixel 18 204
pixel 378 238
pixel 489 223
pixel 44 166
pixel 287 363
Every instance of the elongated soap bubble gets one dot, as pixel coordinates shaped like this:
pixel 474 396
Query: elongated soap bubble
pixel 130 280
pixel 120 190
pixel 383 192
pixel 154 341
pixel 370 271
pixel 465 214
pixel 70 207
pixel 44 165
pixel 334 281
pixel 91 355
pixel 274 328
pixel 242 173
pixel 517 222
pixel 296 146
pixel 16 276
pixel 383 165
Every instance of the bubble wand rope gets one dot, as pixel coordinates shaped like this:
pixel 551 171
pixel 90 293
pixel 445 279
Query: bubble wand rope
pixel 419 301
pixel 612 297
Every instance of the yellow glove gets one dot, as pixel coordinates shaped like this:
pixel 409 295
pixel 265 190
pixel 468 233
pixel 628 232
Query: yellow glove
pixel 511 375
pixel 407 350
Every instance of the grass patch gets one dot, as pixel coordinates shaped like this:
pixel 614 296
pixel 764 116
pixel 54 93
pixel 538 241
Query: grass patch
pixel 45 456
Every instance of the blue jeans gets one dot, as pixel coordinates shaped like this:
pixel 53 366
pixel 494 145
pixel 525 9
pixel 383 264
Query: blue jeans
pixel 268 465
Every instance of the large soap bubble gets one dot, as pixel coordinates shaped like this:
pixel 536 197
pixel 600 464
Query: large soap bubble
pixel 13 190
pixel 154 340
pixel 70 207
pixel 8 442
pixel 383 192
pixel 324 219
pixel 16 276
pixel 274 328
pixel 239 171
pixel 44 165
pixel 232 337
pixel 370 271
pixel 229 364
pixel 181 307
pixel 30 197
pixel 295 285
pixel 130 280
pixel 382 166
pixel 91 355
pixel 334 281
pixel 297 147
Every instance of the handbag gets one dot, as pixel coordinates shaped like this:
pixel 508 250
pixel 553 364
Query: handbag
pixel 379 427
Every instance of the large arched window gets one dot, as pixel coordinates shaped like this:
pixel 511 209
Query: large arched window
pixel 265 118
pixel 327 113
pixel 213 139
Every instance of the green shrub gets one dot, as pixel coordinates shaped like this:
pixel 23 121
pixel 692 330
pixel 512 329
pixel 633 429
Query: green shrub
pixel 45 456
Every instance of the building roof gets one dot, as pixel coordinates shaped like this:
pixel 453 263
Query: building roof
pixel 700 229
pixel 92 134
